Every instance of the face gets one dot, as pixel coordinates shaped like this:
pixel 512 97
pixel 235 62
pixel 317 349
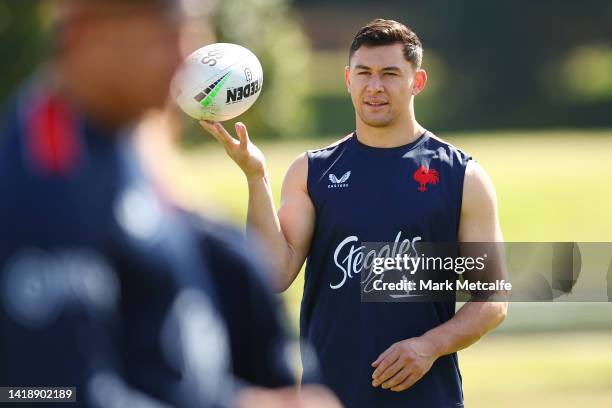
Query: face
pixel 131 58
pixel 382 84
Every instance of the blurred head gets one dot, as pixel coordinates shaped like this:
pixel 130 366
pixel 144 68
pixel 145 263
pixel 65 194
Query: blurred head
pixel 384 72
pixel 118 56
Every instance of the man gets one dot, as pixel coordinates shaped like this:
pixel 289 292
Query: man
pixel 364 188
pixel 105 285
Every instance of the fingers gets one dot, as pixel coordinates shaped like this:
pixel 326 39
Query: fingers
pixel 407 383
pixel 397 379
pixel 243 134
pixel 385 360
pixel 388 372
pixel 382 356
pixel 218 131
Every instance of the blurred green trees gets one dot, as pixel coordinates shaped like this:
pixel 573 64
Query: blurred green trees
pixel 272 30
pixel 22 42
pixel 518 64
pixel 269 28
pixel 492 65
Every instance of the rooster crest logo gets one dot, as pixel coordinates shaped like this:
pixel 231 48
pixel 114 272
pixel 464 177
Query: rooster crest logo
pixel 339 182
pixel 424 176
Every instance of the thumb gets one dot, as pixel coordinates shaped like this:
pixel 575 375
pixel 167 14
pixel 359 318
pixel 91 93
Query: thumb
pixel 242 133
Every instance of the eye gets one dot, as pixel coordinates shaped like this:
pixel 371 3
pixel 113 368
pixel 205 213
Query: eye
pixel 391 74
pixel 363 73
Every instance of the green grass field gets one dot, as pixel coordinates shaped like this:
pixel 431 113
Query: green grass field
pixel 539 370
pixel 552 186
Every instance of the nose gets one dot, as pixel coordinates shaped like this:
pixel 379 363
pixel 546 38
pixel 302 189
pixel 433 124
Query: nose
pixel 375 84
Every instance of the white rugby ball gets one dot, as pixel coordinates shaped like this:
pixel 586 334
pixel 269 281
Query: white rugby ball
pixel 218 82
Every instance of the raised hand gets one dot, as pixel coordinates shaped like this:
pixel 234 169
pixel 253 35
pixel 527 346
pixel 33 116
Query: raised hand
pixel 242 151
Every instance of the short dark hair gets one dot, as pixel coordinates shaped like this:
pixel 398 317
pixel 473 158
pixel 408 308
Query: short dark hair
pixel 387 32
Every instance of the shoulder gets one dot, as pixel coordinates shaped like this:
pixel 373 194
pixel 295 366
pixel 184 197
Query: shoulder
pixel 297 174
pixel 478 189
pixel 296 177
pixel 326 151
pixel 477 180
pixel 446 151
pixel 227 255
pixel 314 163
pixel 479 212
pixel 222 240
pixel 44 133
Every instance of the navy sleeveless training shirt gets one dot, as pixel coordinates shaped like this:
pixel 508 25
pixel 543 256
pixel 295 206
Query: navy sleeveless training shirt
pixel 366 194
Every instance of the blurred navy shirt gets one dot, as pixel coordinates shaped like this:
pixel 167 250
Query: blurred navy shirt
pixel 108 287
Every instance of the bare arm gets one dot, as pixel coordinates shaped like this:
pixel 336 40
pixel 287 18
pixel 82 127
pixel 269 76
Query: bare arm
pixel 405 362
pixel 479 223
pixel 297 217
pixel 287 234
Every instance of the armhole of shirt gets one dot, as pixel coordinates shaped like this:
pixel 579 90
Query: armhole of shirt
pixel 309 162
pixel 468 158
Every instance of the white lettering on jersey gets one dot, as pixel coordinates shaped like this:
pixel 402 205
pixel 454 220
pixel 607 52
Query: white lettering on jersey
pixel 350 260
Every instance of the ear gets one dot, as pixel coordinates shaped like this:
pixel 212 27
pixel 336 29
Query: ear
pixel 420 80
pixel 347 77
pixel 70 30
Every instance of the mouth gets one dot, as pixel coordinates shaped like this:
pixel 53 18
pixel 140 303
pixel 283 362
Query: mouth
pixel 376 103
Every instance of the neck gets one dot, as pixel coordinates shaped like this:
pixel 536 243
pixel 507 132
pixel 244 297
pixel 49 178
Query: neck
pixel 402 131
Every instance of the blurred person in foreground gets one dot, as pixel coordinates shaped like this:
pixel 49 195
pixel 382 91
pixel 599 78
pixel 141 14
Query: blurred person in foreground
pixel 389 179
pixel 105 285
